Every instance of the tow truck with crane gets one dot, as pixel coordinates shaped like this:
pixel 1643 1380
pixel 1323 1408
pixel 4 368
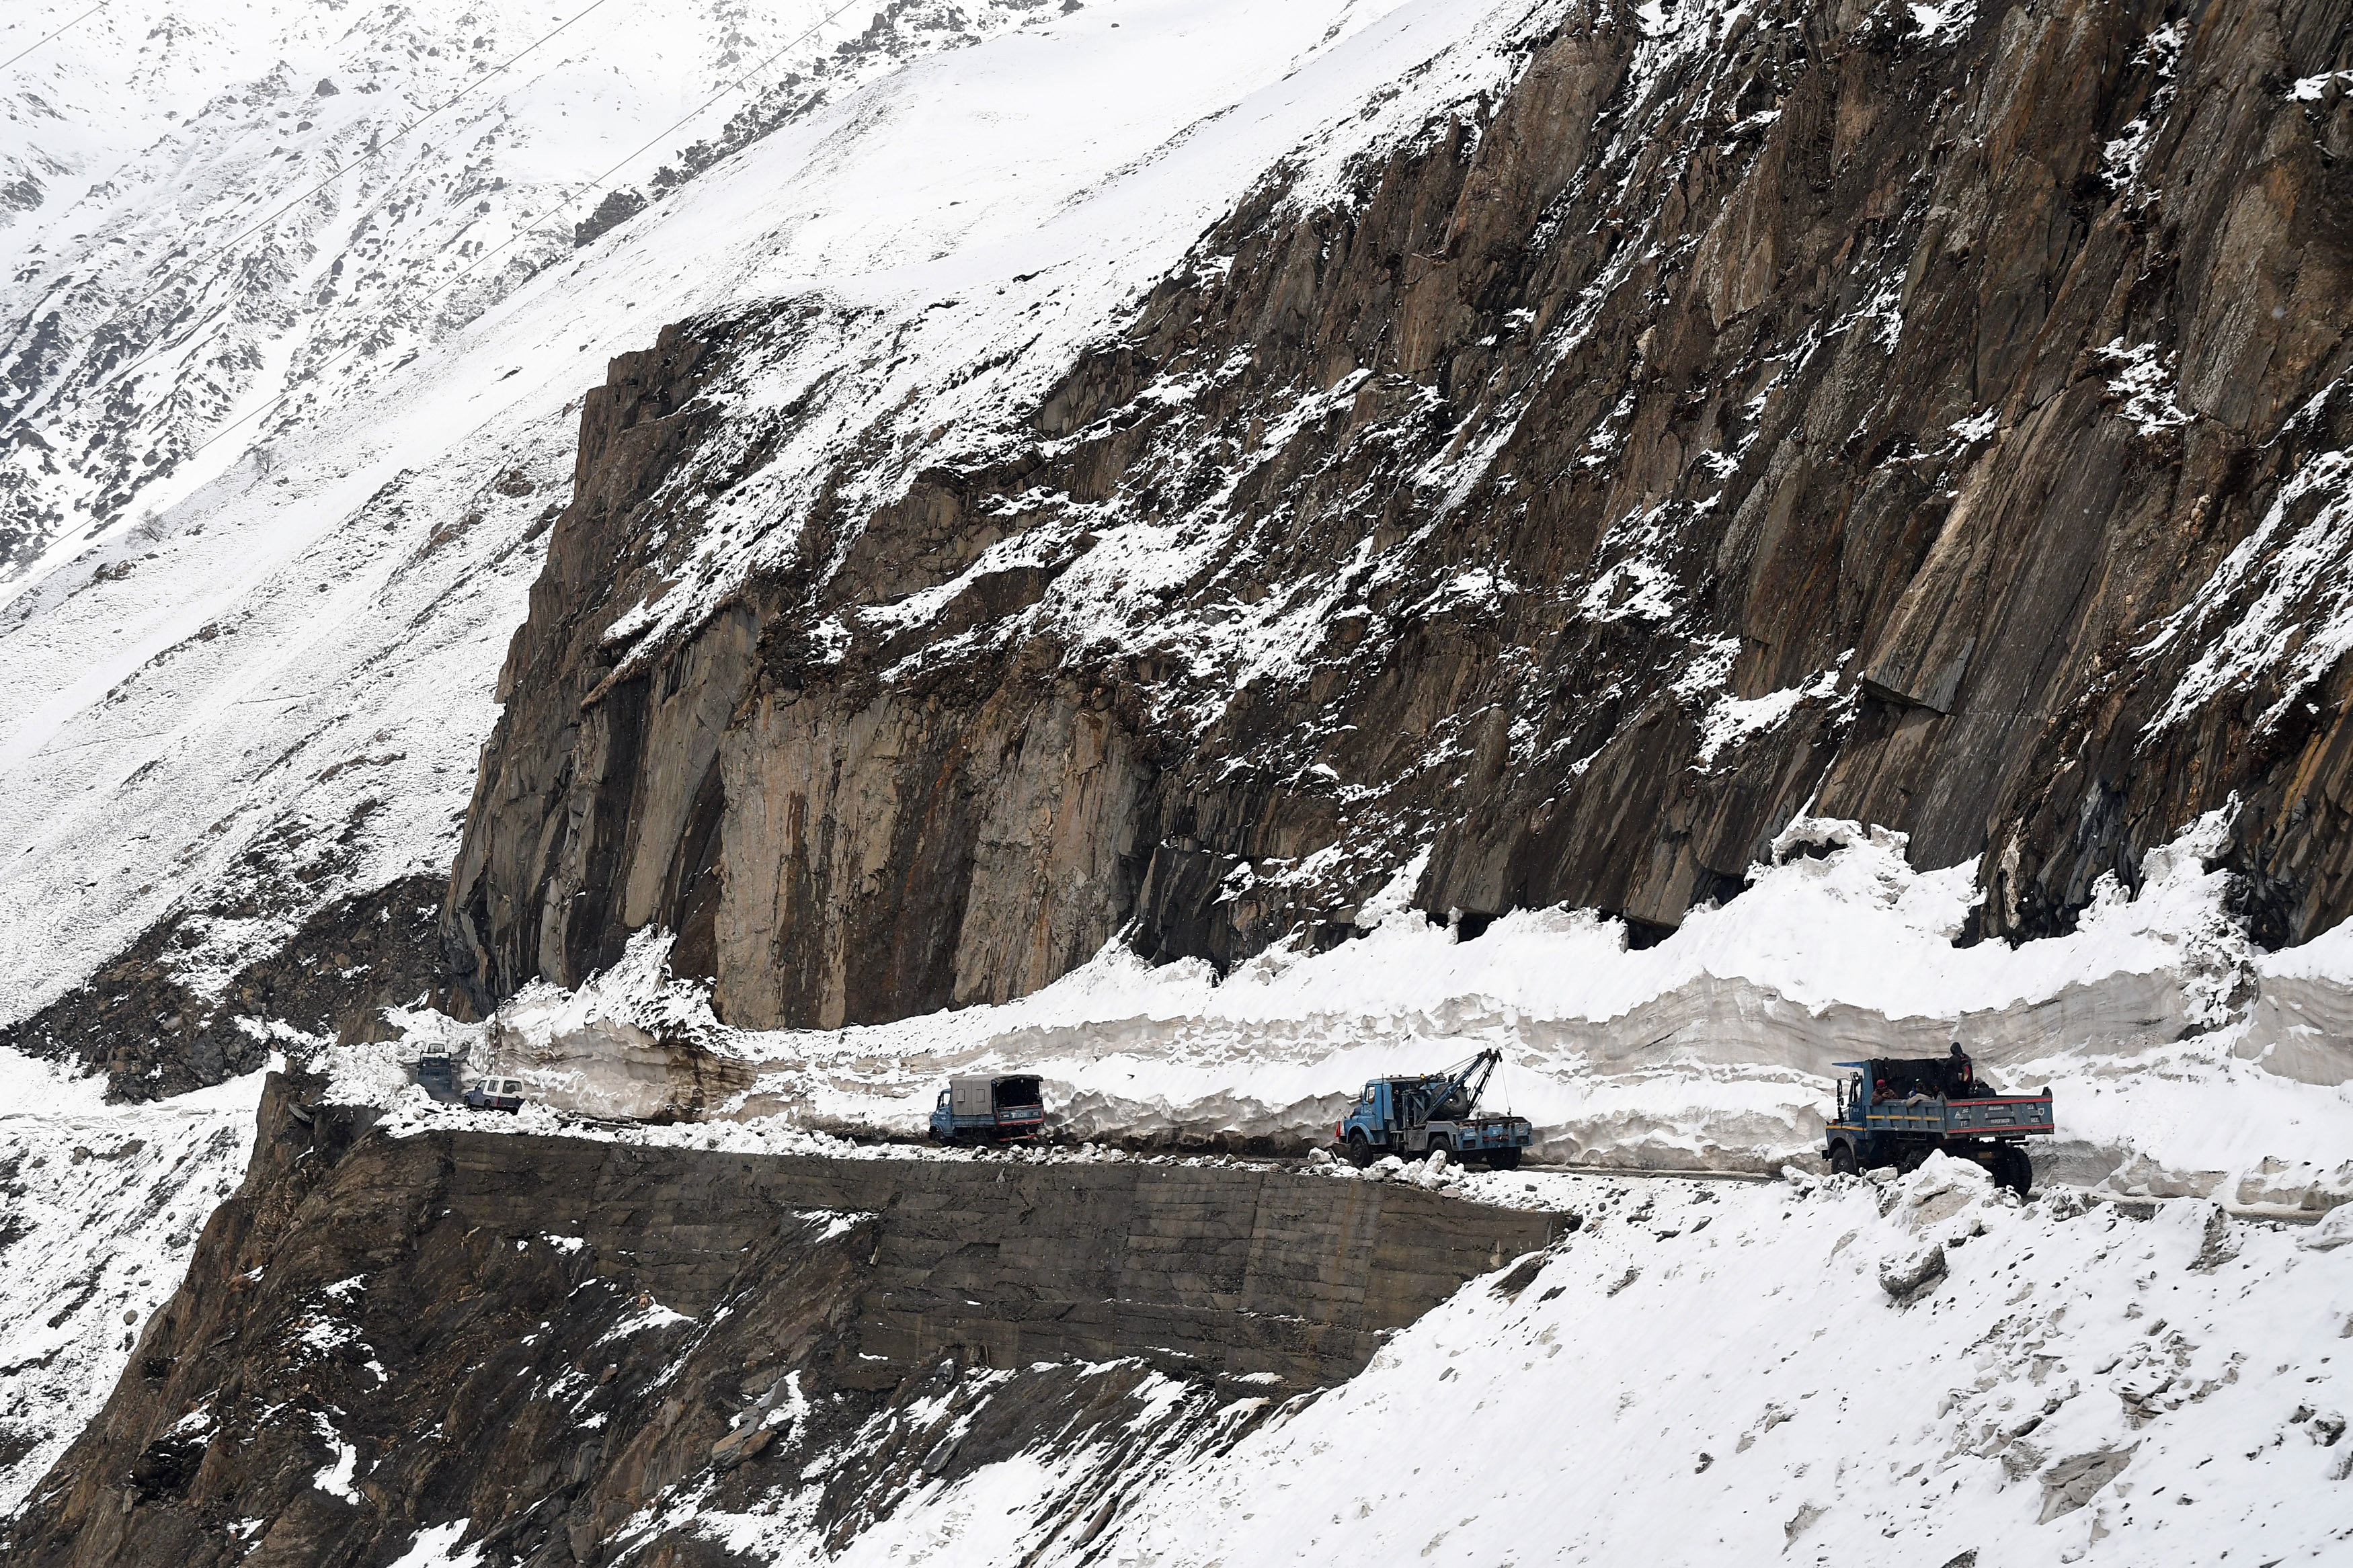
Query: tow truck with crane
pixel 1416 1116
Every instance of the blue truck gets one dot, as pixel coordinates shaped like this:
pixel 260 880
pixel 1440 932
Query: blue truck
pixel 1416 1116
pixel 436 1074
pixel 988 1110
pixel 1896 1110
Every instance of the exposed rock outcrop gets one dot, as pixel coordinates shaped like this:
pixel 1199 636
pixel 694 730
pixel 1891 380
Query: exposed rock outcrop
pixel 157 1031
pixel 1797 405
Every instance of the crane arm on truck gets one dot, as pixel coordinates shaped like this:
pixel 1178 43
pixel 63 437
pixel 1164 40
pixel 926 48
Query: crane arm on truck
pixel 1461 1085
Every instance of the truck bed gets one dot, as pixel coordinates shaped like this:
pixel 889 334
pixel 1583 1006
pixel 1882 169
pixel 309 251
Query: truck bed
pixel 1486 1132
pixel 1991 1114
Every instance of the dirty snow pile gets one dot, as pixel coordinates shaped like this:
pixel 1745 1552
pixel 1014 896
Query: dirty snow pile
pixel 1834 1373
pixel 2156 1025
pixel 99 1210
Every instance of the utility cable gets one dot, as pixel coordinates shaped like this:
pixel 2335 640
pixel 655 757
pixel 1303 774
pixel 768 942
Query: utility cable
pixel 532 225
pixel 45 38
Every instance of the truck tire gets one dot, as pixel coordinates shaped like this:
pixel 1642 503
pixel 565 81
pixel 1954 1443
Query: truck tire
pixel 1503 1159
pixel 1360 1149
pixel 2017 1171
pixel 1437 1146
pixel 1842 1159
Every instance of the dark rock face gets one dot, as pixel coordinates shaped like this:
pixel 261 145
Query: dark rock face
pixel 542 1337
pixel 139 1021
pixel 1823 410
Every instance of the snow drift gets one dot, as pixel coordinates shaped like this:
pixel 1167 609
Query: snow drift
pixel 2156 1025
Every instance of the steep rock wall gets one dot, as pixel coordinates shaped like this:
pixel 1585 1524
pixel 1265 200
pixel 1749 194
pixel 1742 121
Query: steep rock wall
pixel 541 1340
pixel 1743 410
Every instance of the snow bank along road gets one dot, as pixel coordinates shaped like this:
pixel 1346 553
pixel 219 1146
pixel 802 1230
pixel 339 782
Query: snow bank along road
pixel 2182 1060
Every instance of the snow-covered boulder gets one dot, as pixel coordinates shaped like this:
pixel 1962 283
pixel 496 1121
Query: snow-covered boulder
pixel 2330 1234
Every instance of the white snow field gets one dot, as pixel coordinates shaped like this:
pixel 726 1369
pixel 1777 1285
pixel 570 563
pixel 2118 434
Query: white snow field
pixel 101 1207
pixel 203 208
pixel 1713 1373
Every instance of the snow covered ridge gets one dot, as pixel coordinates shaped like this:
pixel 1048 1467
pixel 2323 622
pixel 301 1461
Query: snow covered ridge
pixel 1836 1372
pixel 99 1211
pixel 2182 1060
pixel 961 353
pixel 2071 1388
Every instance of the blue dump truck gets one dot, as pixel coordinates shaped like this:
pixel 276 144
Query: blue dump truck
pixel 988 1110
pixel 1895 1111
pixel 1415 1117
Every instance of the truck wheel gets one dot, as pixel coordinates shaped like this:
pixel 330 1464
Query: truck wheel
pixel 1503 1159
pixel 1437 1146
pixel 2017 1171
pixel 1360 1150
pixel 1842 1159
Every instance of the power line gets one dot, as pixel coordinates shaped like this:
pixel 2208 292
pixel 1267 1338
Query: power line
pixel 376 151
pixel 531 227
pixel 45 38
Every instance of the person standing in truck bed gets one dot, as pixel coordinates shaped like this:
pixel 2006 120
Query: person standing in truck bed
pixel 1963 1074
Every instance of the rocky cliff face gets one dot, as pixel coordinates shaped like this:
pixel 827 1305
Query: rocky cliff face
pixel 1938 416
pixel 381 1339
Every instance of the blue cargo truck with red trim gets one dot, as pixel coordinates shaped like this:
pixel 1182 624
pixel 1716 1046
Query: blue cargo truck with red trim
pixel 1896 1110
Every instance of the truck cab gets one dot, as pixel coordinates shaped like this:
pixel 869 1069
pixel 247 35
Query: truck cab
pixel 1897 1110
pixel 988 1110
pixel 437 1075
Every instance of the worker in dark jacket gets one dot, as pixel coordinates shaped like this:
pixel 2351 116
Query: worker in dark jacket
pixel 1962 1073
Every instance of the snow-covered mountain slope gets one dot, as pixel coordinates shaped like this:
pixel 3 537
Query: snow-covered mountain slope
pixel 101 1207
pixel 1232 482
pixel 1710 1374
pixel 281 682
pixel 223 221
pixel 1574 457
